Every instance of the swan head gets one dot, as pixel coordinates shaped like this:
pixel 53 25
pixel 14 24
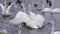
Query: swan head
pixel 51 22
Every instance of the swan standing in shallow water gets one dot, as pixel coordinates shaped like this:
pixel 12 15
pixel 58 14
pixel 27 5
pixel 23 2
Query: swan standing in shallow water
pixel 5 11
pixel 23 17
pixel 31 20
pixel 52 31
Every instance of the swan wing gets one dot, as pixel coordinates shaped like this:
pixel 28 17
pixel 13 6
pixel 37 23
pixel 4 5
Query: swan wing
pixel 39 20
pixel 20 17
pixel 33 16
pixel 46 10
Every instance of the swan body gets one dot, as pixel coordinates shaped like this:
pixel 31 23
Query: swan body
pixel 46 10
pixel 56 10
pixel 57 32
pixel 20 17
pixel 33 16
pixel 23 17
pixel 6 10
pixel 39 20
pixel 31 20
pixel 49 10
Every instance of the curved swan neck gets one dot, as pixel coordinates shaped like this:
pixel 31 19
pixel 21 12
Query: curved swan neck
pixel 52 1
pixel 9 7
pixel 43 4
pixel 23 7
pixel 5 3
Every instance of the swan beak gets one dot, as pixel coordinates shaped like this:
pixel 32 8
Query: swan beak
pixel 51 22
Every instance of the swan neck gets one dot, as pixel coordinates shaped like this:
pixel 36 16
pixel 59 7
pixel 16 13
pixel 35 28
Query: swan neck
pixel 52 31
pixel 23 7
pixel 9 7
pixel 20 29
pixel 43 4
pixel 5 3
pixel 52 1
pixel 30 11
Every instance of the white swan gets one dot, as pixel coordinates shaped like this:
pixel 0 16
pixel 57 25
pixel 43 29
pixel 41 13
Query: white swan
pixel 23 17
pixel 56 10
pixel 6 11
pixel 52 31
pixel 46 10
pixel 33 22
pixel 38 19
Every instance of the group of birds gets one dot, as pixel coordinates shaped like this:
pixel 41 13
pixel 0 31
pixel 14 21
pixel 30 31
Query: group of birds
pixel 32 20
